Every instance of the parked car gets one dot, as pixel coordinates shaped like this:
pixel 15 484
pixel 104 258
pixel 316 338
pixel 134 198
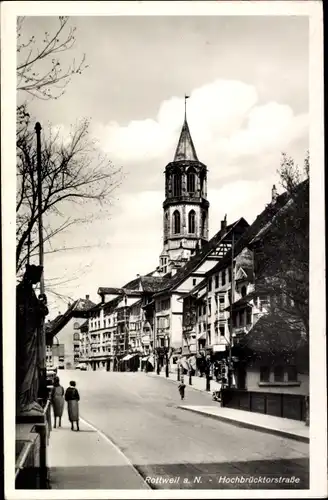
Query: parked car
pixel 81 366
pixel 51 374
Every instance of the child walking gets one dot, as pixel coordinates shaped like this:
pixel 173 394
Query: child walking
pixel 182 388
pixel 72 397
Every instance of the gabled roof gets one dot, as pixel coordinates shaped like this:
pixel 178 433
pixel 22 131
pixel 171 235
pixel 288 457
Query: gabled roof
pixel 260 222
pixel 185 148
pixel 237 228
pixel 79 309
pixel 284 201
pixel 148 283
pixel 272 334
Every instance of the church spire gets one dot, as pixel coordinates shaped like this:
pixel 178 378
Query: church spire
pixel 185 148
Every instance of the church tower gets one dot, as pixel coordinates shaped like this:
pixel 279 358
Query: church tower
pixel 185 225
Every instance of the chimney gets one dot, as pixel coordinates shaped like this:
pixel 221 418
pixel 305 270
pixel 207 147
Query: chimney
pixel 87 297
pixel 224 223
pixel 274 194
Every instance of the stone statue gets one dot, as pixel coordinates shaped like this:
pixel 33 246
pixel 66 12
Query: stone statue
pixel 30 314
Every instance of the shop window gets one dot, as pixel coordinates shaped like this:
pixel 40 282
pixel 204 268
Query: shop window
pixel 264 374
pixel 278 373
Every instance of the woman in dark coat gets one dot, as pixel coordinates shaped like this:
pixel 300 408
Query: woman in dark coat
pixel 72 397
pixel 57 400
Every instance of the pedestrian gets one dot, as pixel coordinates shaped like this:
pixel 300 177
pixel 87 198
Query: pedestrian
pixel 72 397
pixel 182 388
pixel 57 401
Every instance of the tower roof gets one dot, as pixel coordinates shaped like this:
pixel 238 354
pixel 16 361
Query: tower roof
pixel 185 148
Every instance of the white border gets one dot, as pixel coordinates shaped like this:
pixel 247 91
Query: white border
pixel 318 430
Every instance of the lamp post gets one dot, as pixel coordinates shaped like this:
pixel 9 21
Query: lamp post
pixel 167 347
pixel 42 336
pixel 158 369
pixel 189 373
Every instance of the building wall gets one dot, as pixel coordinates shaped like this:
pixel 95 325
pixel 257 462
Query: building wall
pixel 176 321
pixel 66 337
pixel 253 380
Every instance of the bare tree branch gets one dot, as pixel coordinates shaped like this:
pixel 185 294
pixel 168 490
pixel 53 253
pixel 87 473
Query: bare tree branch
pixel 47 80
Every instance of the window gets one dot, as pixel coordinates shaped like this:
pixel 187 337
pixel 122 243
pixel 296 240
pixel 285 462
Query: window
pixel 191 221
pixel 210 284
pixel 203 223
pixel 204 310
pixel 176 222
pixel 243 291
pixel 221 306
pixel 278 374
pixel 291 374
pixel 191 182
pixel 76 326
pixel 249 317
pixel 176 184
pixel 209 335
pixel 76 336
pixel 209 302
pixel 166 224
pixel 194 282
pixel 223 278
pixel 222 332
pixel 264 374
pixel 216 281
pixel 229 275
pixel 202 190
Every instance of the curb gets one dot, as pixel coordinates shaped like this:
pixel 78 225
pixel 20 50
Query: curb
pixel 248 425
pixel 176 381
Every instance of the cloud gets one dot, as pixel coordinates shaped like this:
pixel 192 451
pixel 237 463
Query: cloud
pixel 226 119
pixel 240 139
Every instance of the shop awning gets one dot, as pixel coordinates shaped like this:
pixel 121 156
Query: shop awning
pixel 151 360
pixel 129 356
pixel 184 363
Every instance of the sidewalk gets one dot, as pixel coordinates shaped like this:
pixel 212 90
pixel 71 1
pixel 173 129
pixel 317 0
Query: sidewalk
pixel 285 427
pixel 88 460
pixel 198 383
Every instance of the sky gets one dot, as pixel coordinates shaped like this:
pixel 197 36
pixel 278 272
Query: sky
pixel 247 78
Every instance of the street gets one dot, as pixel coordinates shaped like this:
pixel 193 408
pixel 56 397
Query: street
pixel 139 413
